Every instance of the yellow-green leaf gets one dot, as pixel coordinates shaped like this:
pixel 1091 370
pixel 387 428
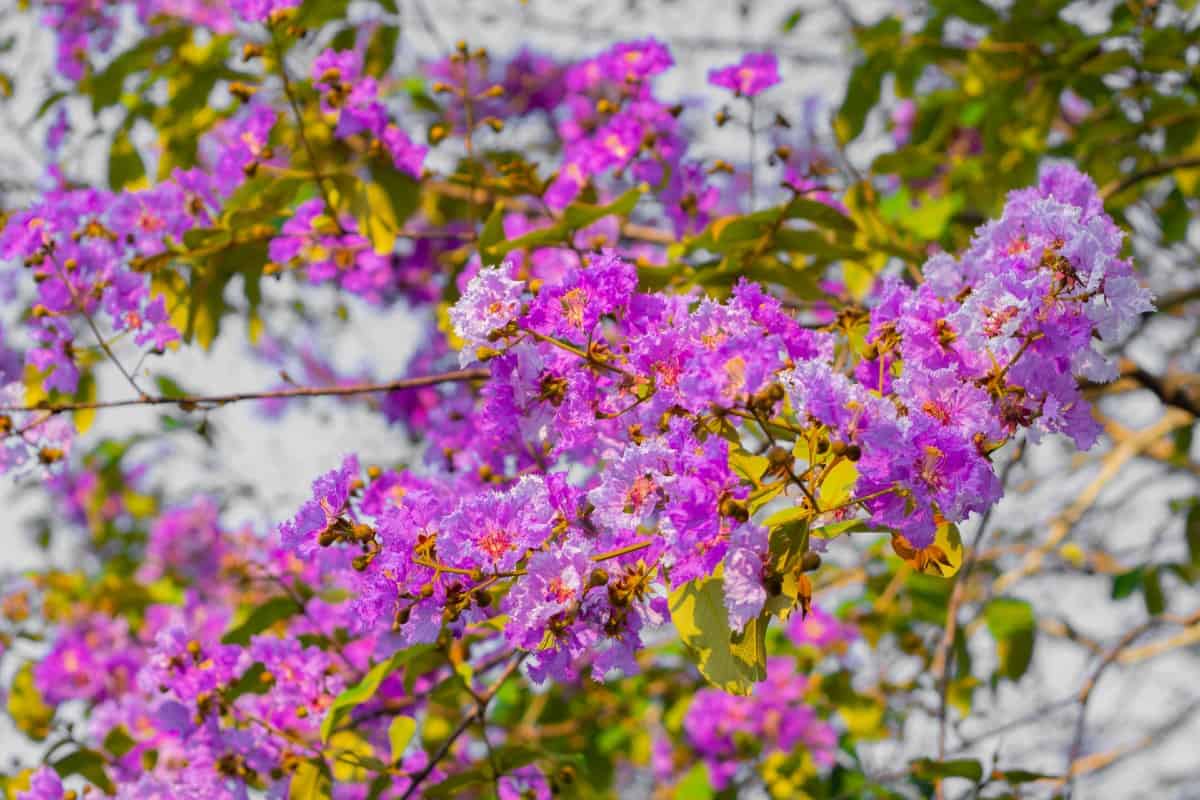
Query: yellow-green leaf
pixel 400 733
pixel 730 662
pixel 310 782
pixel 28 710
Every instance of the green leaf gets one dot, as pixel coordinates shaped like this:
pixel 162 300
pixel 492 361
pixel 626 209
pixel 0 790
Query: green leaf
pixel 1017 776
pixel 819 213
pixel 928 769
pixel 364 690
pixel 312 15
pixel 1152 592
pixel 786 515
pixel 310 781
pixel 263 617
pixel 118 741
pixel 580 215
pixel 125 165
pixel 1012 624
pixel 814 242
pixel 836 529
pixel 747 465
pixel 251 682
pixel 732 663
pixel 862 93
pixel 168 386
pixel 402 191
pixel 88 764
pixel 1126 583
pixel 838 486
pixel 491 235
pixel 695 785
pixel 400 733
pixel 456 783
pixel 85 392
pixel 514 756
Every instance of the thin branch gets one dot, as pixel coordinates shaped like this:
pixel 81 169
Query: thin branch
pixel 1154 171
pixel 82 307
pixel 1085 693
pixel 192 402
pixel 943 659
pixel 1112 463
pixel 478 713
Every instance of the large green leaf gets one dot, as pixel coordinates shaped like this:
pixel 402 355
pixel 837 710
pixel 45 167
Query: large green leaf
pixel 88 764
pixel 730 662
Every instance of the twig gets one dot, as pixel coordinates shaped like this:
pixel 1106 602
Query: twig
pixel 1153 171
pixel 1112 463
pixel 79 304
pixel 943 659
pixel 191 402
pixel 1089 686
pixel 479 712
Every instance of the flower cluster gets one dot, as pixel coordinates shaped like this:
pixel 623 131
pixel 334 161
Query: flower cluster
pixel 352 99
pixel 727 731
pixel 606 447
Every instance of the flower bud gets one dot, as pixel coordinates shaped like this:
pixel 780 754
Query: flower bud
pixel 734 509
pixel 810 561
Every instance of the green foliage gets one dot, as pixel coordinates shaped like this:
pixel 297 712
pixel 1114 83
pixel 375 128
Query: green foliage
pixel 364 690
pixel 261 618
pixel 1013 626
pixel 88 764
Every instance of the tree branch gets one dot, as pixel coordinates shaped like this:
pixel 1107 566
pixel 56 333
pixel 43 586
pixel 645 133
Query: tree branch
pixel 192 402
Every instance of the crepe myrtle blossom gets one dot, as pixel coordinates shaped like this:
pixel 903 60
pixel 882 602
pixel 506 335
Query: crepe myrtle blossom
pixel 622 440
pixel 754 74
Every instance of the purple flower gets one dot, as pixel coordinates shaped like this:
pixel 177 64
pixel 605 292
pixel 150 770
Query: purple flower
pixel 261 10
pixel 755 73
pixel 330 501
pixel 744 590
pixel 903 117
pixel 44 784
pixel 492 300
pixel 493 531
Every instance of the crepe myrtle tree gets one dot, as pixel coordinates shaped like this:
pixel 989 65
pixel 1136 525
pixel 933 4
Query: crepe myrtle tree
pixel 699 399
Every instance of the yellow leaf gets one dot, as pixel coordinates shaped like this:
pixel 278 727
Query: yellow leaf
pixel 309 782
pixel 400 733
pixel 346 748
pixel 86 393
pixel 838 485
pixel 943 558
pixel 28 710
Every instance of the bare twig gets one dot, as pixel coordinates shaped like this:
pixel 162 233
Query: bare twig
pixel 192 402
